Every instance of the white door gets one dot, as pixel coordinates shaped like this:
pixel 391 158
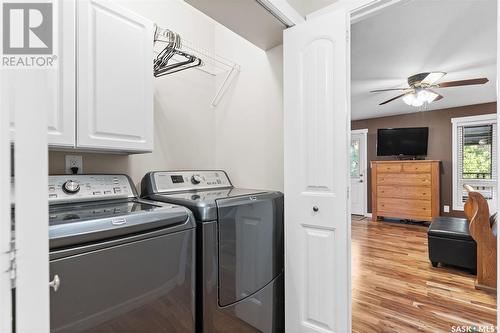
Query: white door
pixel 317 229
pixel 358 172
pixel 115 78
pixel 58 85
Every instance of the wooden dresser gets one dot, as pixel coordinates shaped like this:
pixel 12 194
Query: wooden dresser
pixel 405 189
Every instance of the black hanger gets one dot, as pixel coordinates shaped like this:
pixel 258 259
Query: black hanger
pixel 161 64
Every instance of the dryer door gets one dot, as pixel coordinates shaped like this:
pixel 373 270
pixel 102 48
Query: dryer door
pixel 250 231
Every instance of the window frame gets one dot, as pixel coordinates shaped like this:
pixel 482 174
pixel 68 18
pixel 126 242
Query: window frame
pixel 484 119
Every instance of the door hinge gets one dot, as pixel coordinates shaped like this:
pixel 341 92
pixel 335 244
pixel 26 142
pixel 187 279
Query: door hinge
pixel 348 191
pixel 12 270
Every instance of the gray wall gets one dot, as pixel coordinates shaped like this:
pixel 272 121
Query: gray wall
pixel 440 140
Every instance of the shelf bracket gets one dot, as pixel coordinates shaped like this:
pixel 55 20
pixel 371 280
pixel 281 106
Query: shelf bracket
pixel 225 84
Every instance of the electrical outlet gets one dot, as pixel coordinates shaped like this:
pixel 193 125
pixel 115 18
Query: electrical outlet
pixel 73 161
pixel 446 208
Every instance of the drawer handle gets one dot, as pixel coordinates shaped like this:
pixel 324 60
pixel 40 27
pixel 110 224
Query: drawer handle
pixel 55 283
pixel 118 221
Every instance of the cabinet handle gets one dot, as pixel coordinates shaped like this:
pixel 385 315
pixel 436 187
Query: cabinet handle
pixel 315 208
pixel 55 283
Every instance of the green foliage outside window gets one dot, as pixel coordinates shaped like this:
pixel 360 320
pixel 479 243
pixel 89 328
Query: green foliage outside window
pixel 477 162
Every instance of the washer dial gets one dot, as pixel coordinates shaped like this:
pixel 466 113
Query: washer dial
pixel 71 187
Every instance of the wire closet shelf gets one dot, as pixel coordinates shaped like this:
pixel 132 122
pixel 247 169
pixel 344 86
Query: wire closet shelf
pixel 210 63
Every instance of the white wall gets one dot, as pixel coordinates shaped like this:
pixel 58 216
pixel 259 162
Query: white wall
pixel 242 135
pixel 249 120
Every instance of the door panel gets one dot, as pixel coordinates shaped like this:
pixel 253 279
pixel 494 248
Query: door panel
pixel 317 232
pixel 115 78
pixel 147 288
pixel 56 86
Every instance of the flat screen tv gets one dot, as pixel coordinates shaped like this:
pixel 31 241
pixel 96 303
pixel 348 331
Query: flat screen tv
pixel 410 141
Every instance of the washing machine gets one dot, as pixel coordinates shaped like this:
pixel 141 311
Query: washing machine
pixel 118 263
pixel 240 249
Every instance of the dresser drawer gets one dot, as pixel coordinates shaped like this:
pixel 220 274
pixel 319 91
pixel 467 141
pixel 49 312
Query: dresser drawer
pixel 415 179
pixel 403 207
pixel 389 167
pixel 405 192
pixel 416 167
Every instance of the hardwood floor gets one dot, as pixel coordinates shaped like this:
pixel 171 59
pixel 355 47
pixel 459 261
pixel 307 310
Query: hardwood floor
pixel 396 289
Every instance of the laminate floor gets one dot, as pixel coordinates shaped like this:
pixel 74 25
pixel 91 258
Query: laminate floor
pixel 396 289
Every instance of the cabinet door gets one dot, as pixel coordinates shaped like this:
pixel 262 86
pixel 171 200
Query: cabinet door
pixel 56 85
pixel 115 78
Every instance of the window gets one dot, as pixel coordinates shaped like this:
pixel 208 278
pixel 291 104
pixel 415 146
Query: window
pixel 355 172
pixel 474 158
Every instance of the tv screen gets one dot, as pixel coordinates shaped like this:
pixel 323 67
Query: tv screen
pixel 411 141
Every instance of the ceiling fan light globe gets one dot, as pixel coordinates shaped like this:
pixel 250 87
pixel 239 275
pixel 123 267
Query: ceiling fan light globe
pixel 426 96
pixel 418 103
pixel 410 99
pixel 419 98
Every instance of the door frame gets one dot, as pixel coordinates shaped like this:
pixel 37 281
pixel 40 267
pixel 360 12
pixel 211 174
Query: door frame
pixel 362 9
pixel 364 135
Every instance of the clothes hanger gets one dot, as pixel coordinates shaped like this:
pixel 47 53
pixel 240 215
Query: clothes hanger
pixel 162 67
pixel 180 66
pixel 161 64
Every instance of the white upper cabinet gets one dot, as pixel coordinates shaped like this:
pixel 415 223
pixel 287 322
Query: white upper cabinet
pixel 56 87
pixel 115 78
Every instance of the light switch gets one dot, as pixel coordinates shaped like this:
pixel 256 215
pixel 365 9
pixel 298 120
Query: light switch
pixel 446 209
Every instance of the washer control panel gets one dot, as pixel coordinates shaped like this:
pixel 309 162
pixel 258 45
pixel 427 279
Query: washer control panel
pixel 172 181
pixel 69 188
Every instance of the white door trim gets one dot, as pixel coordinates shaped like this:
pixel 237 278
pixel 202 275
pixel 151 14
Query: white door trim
pixel 5 218
pixel 364 133
pixel 360 131
pixel 498 155
pixel 31 216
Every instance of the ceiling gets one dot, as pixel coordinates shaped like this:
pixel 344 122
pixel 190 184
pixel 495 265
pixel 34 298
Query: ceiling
pixel 453 36
pixel 306 7
pixel 245 17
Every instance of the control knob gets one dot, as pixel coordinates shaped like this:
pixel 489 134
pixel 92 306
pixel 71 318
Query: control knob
pixel 196 179
pixel 71 187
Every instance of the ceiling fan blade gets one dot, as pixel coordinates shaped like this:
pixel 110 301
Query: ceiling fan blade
pixel 390 100
pixel 438 97
pixel 380 90
pixel 462 83
pixel 432 77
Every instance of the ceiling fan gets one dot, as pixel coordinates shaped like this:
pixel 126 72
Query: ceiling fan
pixel 421 85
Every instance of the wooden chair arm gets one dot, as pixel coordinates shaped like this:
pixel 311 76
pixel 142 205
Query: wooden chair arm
pixel 477 211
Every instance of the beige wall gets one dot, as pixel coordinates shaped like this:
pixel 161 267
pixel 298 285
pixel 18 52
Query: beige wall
pixel 242 135
pixel 440 140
